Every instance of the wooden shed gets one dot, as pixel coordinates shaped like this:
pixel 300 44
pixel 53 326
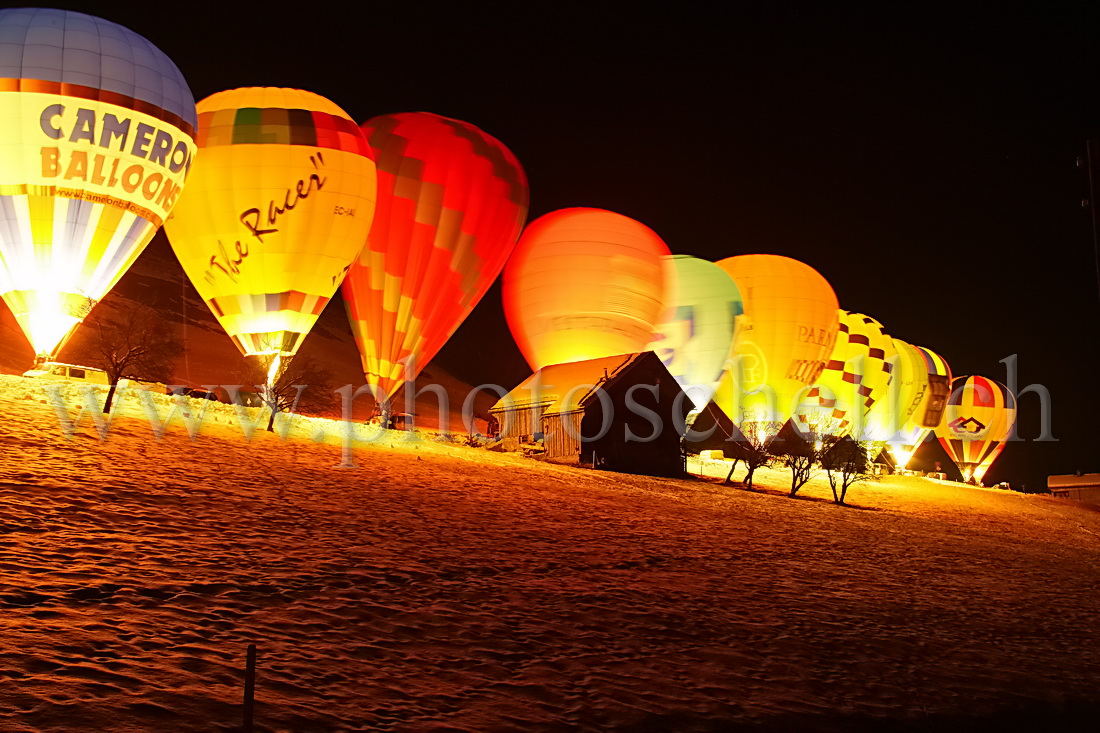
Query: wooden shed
pixel 1084 487
pixel 711 429
pixel 623 413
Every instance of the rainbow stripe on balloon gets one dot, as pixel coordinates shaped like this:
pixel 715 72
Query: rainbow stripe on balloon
pixel 278 126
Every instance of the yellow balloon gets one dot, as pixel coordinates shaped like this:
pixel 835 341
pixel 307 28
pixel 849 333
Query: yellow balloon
pixel 917 396
pixel 278 206
pixel 856 378
pixel 790 327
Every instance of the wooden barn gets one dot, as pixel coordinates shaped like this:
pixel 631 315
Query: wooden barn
pixel 622 413
pixel 1084 487
pixel 711 429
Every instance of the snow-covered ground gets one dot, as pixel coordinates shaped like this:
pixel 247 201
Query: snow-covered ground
pixel 436 587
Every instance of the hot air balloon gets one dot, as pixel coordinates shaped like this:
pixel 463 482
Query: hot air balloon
pixel 891 420
pixel 929 412
pixel 584 284
pixel 699 327
pixel 98 129
pixel 451 203
pixel 789 332
pixel 855 378
pixel 978 418
pixel 914 402
pixel 278 207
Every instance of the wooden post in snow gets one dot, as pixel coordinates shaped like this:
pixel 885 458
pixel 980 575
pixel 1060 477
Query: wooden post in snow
pixel 249 687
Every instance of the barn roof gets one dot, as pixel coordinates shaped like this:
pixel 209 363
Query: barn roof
pixel 712 429
pixel 564 387
pixel 1073 480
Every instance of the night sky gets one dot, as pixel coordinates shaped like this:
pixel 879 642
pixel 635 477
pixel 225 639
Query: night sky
pixel 922 161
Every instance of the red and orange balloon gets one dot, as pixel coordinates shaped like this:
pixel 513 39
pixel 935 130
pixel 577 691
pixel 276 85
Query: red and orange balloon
pixel 451 203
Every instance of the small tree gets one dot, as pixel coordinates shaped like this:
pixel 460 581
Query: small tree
pixel 301 384
pixel 800 451
pixel 751 446
pixel 138 344
pixel 846 462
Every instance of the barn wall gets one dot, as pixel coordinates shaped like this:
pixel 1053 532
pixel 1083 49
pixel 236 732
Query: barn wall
pixel 561 434
pixel 660 456
pixel 577 434
pixel 520 423
pixel 1090 494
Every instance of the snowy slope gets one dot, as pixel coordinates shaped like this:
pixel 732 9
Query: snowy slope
pixel 436 587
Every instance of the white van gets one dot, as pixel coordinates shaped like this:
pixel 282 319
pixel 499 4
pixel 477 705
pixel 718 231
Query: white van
pixel 58 372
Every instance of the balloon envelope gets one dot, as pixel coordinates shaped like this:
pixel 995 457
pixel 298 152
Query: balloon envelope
pixel 914 402
pixel 697 333
pixel 978 418
pixel 890 420
pixel 451 203
pixel 584 284
pixel 788 334
pixel 929 413
pixel 856 377
pixel 278 207
pixel 98 129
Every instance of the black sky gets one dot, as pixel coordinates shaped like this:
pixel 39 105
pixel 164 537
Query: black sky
pixel 921 159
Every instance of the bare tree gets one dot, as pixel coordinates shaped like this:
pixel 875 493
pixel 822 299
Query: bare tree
pixel 801 451
pixel 302 384
pixel 847 462
pixel 751 446
pixel 138 344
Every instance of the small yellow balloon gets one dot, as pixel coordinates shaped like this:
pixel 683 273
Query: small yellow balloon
pixel 914 405
pixel 978 419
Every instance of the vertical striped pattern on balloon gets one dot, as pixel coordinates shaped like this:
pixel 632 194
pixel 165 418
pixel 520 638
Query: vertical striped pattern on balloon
pixel 451 203
pixel 60 256
pixel 979 416
pixel 97 126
